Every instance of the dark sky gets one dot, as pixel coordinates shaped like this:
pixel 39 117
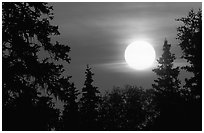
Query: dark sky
pixel 98 34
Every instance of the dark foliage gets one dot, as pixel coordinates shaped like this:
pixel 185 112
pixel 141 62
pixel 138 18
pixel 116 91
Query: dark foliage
pixel 70 118
pixel 89 103
pixel 26 34
pixel 131 108
pixel 190 36
pixel 167 92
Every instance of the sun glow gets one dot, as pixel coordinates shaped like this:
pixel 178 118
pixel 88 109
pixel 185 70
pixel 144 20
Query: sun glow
pixel 140 55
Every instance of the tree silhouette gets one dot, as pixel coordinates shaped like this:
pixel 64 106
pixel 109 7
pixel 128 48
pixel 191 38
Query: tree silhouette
pixel 129 108
pixel 47 115
pixel 167 91
pixel 111 111
pixel 89 102
pixel 70 116
pixel 30 67
pixel 190 36
pixel 136 105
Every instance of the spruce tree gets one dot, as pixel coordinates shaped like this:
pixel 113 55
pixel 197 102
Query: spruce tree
pixel 30 63
pixel 168 82
pixel 89 102
pixel 190 37
pixel 70 113
pixel 166 89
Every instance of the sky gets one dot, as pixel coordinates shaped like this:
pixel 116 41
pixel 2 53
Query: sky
pixel 98 34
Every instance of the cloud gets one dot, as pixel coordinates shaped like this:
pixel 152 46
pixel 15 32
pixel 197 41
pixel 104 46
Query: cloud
pixel 122 67
pixel 116 66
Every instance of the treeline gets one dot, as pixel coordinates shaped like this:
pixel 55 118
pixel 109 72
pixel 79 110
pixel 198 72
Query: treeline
pixel 33 81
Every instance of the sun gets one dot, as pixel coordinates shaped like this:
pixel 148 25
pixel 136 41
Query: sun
pixel 140 55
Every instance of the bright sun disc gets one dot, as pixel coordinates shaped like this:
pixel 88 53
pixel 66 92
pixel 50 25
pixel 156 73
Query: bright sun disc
pixel 140 55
